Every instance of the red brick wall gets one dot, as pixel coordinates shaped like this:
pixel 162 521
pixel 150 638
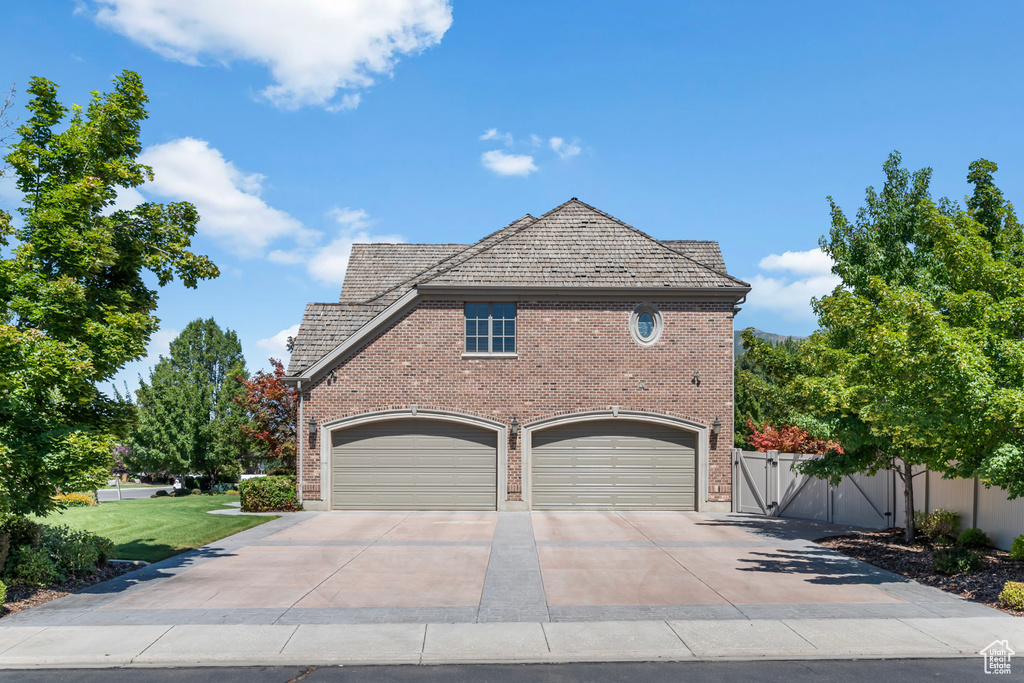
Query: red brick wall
pixel 573 356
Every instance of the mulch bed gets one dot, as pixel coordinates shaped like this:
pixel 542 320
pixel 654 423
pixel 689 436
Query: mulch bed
pixel 22 597
pixel 886 549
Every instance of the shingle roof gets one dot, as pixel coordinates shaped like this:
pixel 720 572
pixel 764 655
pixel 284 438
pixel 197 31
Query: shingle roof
pixel 375 268
pixel 323 328
pixel 576 245
pixel 443 265
pixel 701 251
pixel 573 245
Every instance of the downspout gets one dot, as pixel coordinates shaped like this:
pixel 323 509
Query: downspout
pixel 298 439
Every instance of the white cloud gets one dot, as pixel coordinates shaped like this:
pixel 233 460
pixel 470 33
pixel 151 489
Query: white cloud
pixel 508 164
pixel 350 219
pixel 493 134
pixel 804 274
pixel 810 262
pixel 564 150
pixel 230 208
pixel 278 344
pixel 312 48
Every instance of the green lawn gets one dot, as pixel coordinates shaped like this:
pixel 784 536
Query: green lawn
pixel 152 529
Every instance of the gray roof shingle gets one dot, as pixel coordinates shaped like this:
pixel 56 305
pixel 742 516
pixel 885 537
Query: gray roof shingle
pixel 573 245
pixel 323 328
pixel 576 245
pixel 375 268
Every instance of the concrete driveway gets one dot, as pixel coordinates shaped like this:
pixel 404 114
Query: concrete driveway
pixel 397 567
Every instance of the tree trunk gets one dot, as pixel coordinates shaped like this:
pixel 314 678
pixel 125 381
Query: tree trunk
pixel 908 500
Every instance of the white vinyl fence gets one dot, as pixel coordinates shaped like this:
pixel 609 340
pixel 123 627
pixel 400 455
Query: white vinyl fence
pixel 765 483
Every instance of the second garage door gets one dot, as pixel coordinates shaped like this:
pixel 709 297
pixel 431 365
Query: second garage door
pixel 415 465
pixel 613 464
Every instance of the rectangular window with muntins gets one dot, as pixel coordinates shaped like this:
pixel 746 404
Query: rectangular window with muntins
pixel 490 328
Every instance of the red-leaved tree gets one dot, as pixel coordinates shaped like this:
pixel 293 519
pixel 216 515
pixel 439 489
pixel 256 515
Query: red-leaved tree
pixel 788 440
pixel 272 409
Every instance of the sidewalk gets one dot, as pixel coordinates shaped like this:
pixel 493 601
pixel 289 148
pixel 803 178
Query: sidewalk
pixel 333 644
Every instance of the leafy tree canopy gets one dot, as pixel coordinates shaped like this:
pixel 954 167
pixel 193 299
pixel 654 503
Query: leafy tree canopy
pixel 188 419
pixel 75 306
pixel 918 361
pixel 272 407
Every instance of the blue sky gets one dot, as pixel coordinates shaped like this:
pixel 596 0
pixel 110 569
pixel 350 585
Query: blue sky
pixel 298 127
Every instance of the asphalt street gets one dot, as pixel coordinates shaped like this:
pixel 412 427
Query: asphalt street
pixel 815 671
pixel 107 495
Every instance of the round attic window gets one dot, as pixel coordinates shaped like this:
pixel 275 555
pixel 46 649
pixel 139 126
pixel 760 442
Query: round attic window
pixel 645 325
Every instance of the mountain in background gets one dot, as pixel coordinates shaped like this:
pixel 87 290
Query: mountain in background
pixel 737 347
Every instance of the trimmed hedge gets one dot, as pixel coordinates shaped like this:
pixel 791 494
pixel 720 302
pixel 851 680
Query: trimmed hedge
pixel 269 494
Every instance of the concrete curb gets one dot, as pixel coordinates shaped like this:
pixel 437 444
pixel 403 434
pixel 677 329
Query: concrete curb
pixel 494 643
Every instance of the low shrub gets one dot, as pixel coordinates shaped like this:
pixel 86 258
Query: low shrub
pixel 3 592
pixel 74 500
pixel 75 552
pixel 955 560
pixel 1017 548
pixel 160 494
pixel 281 472
pixel 1012 595
pixel 231 492
pixel 973 538
pixel 28 566
pixel 938 524
pixel 22 531
pixel 269 494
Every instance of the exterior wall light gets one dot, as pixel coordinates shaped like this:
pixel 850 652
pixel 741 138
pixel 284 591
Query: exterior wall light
pixel 312 428
pixel 515 425
pixel 716 426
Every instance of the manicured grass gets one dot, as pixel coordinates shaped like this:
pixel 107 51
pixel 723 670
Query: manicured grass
pixel 152 529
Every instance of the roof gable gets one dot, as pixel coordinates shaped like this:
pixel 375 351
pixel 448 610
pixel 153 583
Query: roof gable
pixel 576 245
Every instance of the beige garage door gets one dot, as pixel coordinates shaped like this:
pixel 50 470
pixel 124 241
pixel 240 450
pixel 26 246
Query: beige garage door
pixel 415 465
pixel 613 464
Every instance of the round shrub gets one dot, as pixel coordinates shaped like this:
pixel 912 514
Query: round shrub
pixel 269 494
pixel 22 531
pixel 938 524
pixel 75 552
pixel 1012 595
pixel 973 538
pixel 30 566
pixel 160 494
pixel 955 560
pixel 1017 548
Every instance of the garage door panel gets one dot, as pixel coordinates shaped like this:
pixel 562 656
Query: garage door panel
pixel 613 464
pixel 396 478
pixel 678 478
pixel 415 465
pixel 412 499
pixel 366 460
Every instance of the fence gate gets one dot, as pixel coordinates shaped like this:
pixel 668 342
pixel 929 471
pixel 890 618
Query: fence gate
pixel 766 484
pixel 754 477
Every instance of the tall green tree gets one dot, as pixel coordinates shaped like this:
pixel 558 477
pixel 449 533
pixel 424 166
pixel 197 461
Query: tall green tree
pixel 188 418
pixel 916 364
pixel 75 305
pixel 762 371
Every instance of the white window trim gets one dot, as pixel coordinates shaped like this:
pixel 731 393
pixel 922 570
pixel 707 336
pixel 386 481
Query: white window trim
pixel 634 318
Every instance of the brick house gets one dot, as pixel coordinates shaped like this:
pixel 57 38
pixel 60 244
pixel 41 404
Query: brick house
pixel 563 362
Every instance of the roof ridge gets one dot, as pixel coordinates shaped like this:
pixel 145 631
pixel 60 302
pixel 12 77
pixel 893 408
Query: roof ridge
pixel 453 256
pixel 656 241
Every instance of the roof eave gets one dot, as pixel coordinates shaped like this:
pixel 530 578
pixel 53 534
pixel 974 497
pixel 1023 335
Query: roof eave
pixel 733 291
pixel 318 368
